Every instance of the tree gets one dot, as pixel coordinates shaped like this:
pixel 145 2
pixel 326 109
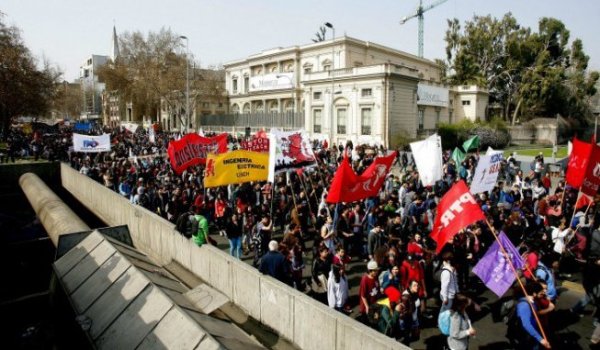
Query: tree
pixel 152 69
pixel 24 89
pixel 527 73
pixel 320 35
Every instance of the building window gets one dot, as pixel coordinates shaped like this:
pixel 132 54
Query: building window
pixel 317 114
pixel 307 70
pixel 317 95
pixel 466 102
pixel 341 121
pixel 205 104
pixel 450 117
pixel 234 85
pixel 437 118
pixel 366 92
pixel 421 116
pixel 327 67
pixel 246 84
pixel 365 123
pixel 220 104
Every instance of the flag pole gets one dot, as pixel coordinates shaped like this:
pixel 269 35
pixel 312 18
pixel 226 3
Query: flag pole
pixel 575 207
pixel 577 228
pixel 512 266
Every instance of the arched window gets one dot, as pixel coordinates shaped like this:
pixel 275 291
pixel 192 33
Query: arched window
pixel 246 109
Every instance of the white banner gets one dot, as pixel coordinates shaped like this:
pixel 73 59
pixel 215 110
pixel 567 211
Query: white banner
pixel 86 143
pixel 432 95
pixel 293 150
pixel 486 173
pixel 428 158
pixel 491 151
pixel 271 81
pixel 131 127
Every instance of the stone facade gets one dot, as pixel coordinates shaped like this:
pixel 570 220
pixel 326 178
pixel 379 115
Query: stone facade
pixel 348 90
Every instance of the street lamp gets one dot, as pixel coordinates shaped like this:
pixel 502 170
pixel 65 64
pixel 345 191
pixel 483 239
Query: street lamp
pixel 187 82
pixel 329 25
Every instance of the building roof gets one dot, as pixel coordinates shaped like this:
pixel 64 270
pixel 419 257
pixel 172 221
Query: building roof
pixel 321 44
pixel 125 300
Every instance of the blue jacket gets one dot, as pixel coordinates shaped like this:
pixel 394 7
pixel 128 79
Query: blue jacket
pixel 525 315
pixel 275 265
pixel 544 274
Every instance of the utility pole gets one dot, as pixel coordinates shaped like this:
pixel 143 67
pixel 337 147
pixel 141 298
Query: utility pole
pixel 329 25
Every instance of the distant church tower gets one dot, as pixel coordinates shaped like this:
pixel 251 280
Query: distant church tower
pixel 114 50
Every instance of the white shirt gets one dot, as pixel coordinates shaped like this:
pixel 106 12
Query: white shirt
pixel 337 293
pixel 558 237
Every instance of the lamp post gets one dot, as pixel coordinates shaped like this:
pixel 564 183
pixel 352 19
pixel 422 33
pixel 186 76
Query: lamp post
pixel 187 83
pixel 329 25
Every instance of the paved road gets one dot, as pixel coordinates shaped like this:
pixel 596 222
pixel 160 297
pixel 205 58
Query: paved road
pixel 571 332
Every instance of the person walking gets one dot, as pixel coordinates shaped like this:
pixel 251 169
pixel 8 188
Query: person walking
pixel 460 324
pixel 449 281
pixel 275 264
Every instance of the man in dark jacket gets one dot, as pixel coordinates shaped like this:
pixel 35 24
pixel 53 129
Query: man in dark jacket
pixel 275 264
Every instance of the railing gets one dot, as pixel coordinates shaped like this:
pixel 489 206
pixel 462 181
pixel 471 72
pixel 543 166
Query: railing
pixel 261 120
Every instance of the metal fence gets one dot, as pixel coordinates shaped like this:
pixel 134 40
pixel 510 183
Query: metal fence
pixel 238 122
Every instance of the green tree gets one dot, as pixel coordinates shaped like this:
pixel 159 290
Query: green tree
pixel 527 73
pixel 24 88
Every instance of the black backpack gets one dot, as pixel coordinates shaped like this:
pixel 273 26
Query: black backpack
pixel 514 328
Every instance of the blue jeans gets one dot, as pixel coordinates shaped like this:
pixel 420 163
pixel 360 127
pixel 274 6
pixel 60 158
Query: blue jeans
pixel 235 247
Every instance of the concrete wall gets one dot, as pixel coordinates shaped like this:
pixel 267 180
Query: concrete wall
pixel 297 317
pixel 533 134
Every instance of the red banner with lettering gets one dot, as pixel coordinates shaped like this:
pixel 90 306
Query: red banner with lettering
pixel 456 210
pixel 349 187
pixel 578 161
pixel 256 144
pixel 192 149
pixel 591 180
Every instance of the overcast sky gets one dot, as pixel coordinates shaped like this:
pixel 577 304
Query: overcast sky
pixel 67 31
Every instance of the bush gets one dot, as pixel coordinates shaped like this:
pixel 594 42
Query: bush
pixel 494 133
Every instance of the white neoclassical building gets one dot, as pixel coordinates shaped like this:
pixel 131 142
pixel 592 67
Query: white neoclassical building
pixel 350 89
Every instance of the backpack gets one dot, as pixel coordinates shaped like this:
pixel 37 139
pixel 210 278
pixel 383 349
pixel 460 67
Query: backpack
pixel 444 322
pixel 514 328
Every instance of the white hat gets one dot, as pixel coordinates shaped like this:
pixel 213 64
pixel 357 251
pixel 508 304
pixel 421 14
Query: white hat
pixel 372 265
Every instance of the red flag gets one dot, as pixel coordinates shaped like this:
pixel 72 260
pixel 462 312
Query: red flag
pixel 591 180
pixel 192 149
pixel 583 201
pixel 578 162
pixel 349 187
pixel 457 210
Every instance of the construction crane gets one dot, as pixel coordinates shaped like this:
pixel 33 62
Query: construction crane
pixel 420 11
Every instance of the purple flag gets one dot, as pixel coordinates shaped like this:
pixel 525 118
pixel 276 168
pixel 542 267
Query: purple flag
pixel 494 270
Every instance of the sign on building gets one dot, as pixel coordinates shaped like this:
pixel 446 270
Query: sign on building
pixel 432 96
pixel 273 81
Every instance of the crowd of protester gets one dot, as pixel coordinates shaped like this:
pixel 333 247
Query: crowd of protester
pixel 275 224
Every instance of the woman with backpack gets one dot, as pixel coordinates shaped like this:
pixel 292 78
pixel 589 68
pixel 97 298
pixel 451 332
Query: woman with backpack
pixel 460 324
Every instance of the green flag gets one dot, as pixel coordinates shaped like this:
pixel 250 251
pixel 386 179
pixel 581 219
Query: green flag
pixel 458 156
pixel 472 143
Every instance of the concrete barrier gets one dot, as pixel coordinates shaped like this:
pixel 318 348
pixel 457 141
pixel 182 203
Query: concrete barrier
pixel 292 314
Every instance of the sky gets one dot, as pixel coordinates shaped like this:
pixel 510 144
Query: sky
pixel 66 32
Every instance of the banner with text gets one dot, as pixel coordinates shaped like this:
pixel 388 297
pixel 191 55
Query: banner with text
pixel 486 173
pixel 87 143
pixel 236 167
pixel 192 149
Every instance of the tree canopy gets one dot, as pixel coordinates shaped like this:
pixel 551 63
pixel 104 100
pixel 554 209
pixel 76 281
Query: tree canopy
pixel 24 88
pixel 527 73
pixel 152 68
